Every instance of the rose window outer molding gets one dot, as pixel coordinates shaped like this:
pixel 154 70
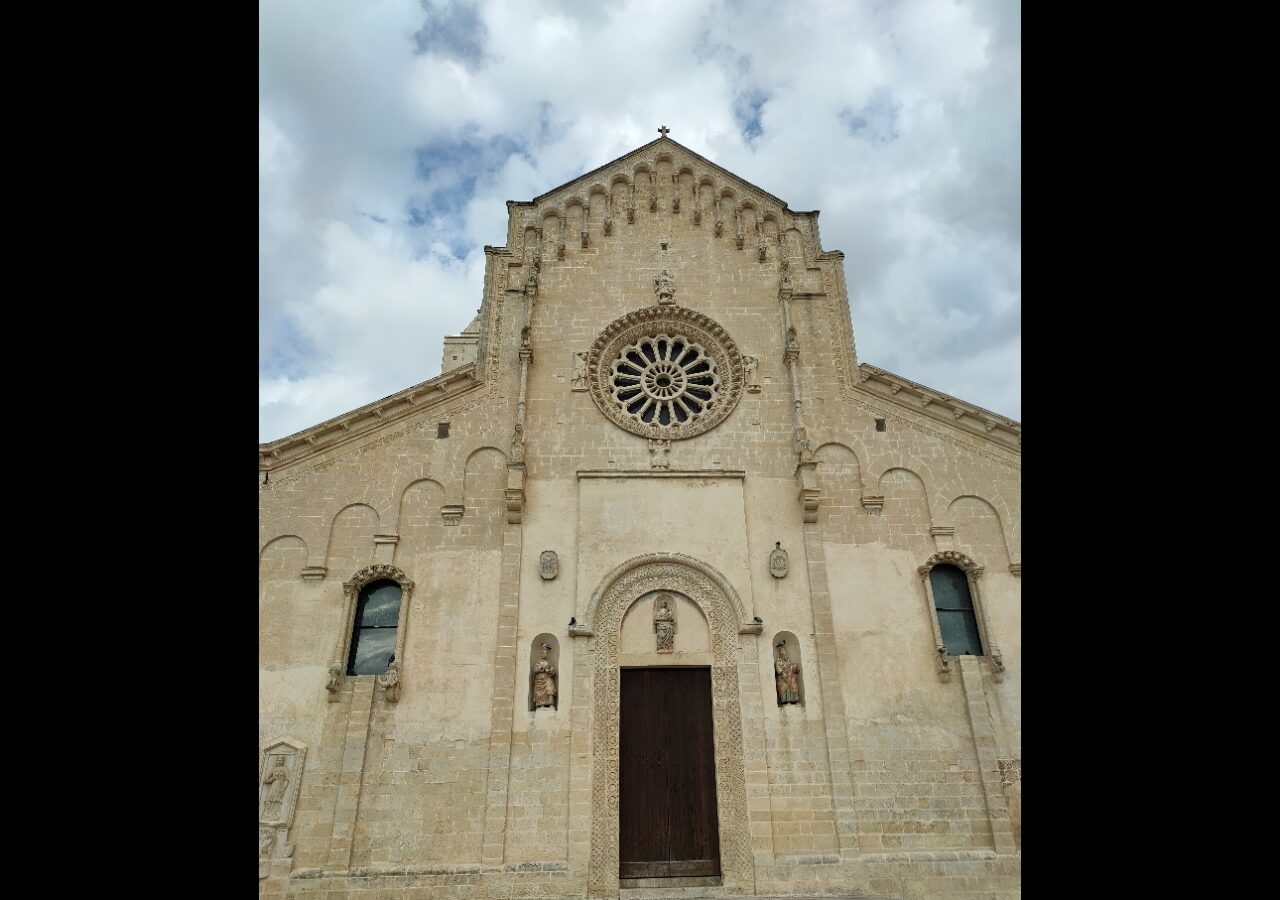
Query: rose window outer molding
pixel 665 372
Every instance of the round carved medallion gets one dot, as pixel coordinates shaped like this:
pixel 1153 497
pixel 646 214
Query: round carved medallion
pixel 665 372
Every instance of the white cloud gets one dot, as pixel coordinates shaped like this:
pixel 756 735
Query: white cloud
pixel 384 170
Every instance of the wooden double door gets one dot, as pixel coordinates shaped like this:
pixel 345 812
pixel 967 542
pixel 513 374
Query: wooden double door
pixel 667 785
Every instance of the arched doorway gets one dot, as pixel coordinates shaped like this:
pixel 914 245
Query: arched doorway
pixel 722 609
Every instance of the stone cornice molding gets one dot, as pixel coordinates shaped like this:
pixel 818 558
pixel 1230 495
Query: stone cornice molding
pixel 366 420
pixel 973 420
pixel 587 626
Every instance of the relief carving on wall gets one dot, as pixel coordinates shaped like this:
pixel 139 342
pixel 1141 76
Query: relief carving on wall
pixel 779 563
pixel 548 565
pixel 279 778
pixel 664 622
pixel 664 286
pixel 753 379
pixel 544 680
pixel 788 676
pixel 659 451
pixel 579 382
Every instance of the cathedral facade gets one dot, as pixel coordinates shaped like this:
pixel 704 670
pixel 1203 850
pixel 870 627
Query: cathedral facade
pixel 654 591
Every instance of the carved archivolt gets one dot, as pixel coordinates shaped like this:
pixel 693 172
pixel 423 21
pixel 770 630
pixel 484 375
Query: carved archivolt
pixel 590 614
pixel 951 558
pixel 665 372
pixel 617 592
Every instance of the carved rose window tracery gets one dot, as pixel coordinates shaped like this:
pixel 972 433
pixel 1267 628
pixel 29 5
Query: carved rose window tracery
pixel 665 373
pixel 665 380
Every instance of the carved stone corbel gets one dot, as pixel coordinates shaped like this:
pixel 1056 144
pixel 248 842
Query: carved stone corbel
pixel 515 493
pixel 806 476
pixel 874 505
pixel 389 681
pixel 452 513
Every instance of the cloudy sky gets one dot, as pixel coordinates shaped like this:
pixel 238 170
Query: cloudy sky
pixel 392 132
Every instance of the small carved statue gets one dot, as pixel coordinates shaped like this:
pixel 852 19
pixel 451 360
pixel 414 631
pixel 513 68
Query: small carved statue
pixel 784 282
pixel 389 681
pixel 659 449
pixel 753 380
pixel 560 250
pixel 788 676
pixel 531 283
pixel 761 251
pixel 277 781
pixel 335 678
pixel 544 680
pixel 579 371
pixel 664 623
pixel 266 837
pixel 665 287
pixel 675 194
pixel 608 225
pixel 517 445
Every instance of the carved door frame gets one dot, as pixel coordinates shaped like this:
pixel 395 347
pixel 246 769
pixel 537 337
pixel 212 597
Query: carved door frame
pixel 730 678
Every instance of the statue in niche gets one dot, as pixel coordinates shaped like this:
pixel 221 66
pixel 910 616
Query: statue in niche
pixel 788 676
pixel 665 287
pixel 579 382
pixel 544 680
pixel 277 782
pixel 784 284
pixel 531 283
pixel 664 622
pixel 675 193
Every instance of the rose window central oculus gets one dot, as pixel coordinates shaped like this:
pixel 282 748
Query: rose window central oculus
pixel 664 381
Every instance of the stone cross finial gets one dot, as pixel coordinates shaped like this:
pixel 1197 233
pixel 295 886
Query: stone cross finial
pixel 664 130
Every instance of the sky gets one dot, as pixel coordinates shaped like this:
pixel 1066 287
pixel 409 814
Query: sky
pixel 391 133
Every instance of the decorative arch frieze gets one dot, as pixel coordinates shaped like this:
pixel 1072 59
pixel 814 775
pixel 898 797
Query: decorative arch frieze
pixel 724 613
pixel 389 681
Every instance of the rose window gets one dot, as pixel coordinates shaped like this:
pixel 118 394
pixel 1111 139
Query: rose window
pixel 665 372
pixel 664 380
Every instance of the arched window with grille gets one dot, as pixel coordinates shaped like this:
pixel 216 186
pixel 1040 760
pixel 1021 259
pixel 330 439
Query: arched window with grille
pixel 371 642
pixel 373 635
pixel 960 627
pixel 956 619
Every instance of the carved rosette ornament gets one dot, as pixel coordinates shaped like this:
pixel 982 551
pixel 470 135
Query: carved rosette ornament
pixel 665 372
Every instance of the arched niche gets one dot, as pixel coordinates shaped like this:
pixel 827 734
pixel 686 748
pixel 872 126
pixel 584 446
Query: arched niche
pixel 788 670
pixel 638 635
pixel 551 675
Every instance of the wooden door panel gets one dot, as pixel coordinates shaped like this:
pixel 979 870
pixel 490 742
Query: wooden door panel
pixel 667 798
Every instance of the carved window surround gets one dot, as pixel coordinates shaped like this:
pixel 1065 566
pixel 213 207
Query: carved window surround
pixel 972 572
pixel 391 681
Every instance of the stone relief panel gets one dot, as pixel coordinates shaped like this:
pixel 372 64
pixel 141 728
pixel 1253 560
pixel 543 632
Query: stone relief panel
pixel 548 565
pixel 779 562
pixel 280 776
pixel 279 780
